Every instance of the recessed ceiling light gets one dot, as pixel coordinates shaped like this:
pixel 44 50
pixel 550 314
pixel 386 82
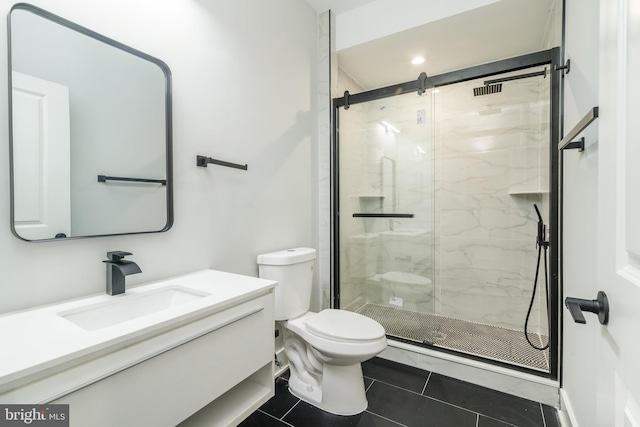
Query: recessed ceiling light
pixel 417 60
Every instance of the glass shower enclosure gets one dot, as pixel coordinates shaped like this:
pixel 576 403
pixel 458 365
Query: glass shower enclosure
pixel 434 219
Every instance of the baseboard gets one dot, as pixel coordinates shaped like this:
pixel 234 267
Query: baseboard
pixel 565 413
pixel 498 378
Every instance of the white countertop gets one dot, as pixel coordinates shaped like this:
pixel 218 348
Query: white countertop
pixel 36 340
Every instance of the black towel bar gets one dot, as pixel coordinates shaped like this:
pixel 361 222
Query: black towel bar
pixel 567 142
pixel 203 161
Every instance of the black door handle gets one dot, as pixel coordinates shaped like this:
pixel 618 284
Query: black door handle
pixel 599 306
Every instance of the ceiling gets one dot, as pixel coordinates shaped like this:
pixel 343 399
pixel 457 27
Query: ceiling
pixel 336 6
pixel 499 30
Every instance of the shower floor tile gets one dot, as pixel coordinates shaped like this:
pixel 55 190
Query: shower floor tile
pixel 490 342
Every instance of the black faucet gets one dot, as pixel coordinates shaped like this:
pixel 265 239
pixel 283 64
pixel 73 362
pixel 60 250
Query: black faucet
pixel 117 269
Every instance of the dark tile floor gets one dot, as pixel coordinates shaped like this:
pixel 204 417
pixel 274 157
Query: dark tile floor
pixel 401 395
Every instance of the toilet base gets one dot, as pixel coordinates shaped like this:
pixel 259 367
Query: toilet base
pixel 341 391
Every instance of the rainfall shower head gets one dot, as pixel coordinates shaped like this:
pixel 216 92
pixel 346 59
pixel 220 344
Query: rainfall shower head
pixel 487 89
pixel 495 85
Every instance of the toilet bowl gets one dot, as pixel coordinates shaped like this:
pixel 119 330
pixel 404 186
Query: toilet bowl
pixel 324 349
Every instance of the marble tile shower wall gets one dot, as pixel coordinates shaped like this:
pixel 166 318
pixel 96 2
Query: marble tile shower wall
pixel 327 66
pixel 491 166
pixel 387 170
pixel 470 173
pixel 353 145
pixel 403 160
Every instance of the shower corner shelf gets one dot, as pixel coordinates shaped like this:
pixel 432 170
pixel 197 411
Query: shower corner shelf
pixel 525 192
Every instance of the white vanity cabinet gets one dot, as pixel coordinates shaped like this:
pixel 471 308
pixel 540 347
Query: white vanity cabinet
pixel 233 360
pixel 212 368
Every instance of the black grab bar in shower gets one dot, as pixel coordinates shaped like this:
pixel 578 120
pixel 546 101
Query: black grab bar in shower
pixel 382 215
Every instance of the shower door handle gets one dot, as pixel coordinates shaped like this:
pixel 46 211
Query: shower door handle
pixel 599 306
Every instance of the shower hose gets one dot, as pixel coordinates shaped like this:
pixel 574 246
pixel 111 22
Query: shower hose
pixel 542 245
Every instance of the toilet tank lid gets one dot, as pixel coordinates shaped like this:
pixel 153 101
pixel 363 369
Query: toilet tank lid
pixel 287 256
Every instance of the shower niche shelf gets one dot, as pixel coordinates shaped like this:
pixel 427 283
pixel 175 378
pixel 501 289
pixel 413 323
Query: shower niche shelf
pixel 371 196
pixel 526 192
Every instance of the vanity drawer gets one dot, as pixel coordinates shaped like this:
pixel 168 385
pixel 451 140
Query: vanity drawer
pixel 169 387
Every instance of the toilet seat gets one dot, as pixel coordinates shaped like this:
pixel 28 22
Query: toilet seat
pixel 342 325
pixel 332 336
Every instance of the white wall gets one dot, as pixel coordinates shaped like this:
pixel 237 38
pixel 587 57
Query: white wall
pixel 244 90
pixel 381 18
pixel 580 209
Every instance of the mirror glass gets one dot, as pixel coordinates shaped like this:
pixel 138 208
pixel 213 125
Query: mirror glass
pixel 90 123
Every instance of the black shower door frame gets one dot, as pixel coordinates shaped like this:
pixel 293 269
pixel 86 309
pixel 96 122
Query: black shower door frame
pixel 551 58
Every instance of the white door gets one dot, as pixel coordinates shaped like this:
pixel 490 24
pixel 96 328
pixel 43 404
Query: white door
pixel 41 157
pixel 618 371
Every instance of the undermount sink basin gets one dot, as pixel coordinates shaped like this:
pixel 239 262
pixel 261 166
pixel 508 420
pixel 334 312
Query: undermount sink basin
pixel 130 306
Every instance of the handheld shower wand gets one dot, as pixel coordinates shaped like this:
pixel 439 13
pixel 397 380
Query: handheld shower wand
pixel 542 230
pixel 541 244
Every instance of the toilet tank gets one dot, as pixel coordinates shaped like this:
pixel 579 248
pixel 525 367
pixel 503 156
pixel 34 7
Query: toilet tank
pixel 293 270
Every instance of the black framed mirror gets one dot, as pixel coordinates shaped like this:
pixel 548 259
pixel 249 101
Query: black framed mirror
pixel 90 132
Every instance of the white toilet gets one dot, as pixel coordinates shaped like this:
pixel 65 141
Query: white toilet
pixel 324 349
